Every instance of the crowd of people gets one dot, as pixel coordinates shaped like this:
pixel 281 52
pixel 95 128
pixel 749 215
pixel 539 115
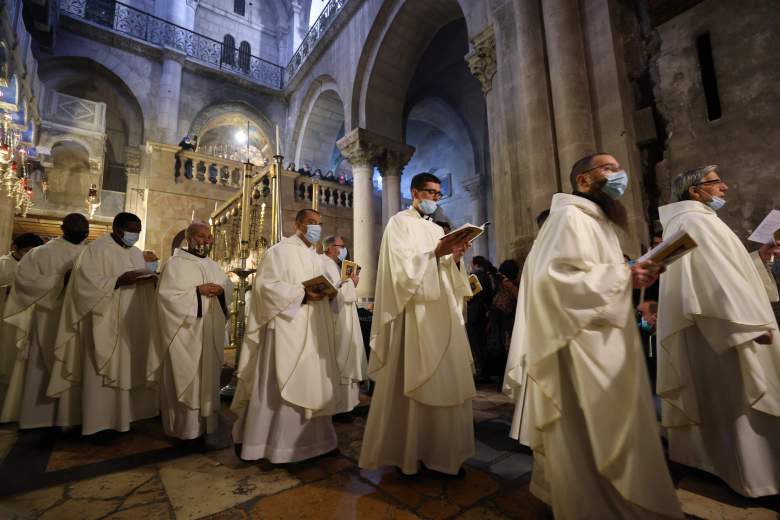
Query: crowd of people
pixel 93 336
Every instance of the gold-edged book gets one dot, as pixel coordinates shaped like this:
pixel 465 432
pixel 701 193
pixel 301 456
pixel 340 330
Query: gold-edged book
pixel 348 268
pixel 321 284
pixel 466 231
pixel 671 249
pixel 476 287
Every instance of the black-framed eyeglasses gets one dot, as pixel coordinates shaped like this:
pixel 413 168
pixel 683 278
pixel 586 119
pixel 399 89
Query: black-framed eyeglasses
pixel 431 191
pixel 614 168
pixel 714 181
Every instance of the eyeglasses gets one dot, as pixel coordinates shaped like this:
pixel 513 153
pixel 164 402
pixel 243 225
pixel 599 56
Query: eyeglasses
pixel 714 181
pixel 431 191
pixel 608 166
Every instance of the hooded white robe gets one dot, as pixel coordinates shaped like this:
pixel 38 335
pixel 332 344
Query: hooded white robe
pixel 720 389
pixel 288 367
pixel 420 357
pixel 103 339
pixel 12 360
pixel 587 411
pixel 350 354
pixel 188 349
pixel 33 310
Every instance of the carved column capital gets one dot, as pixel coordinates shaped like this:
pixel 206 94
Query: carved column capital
pixel 394 160
pixel 482 59
pixel 360 148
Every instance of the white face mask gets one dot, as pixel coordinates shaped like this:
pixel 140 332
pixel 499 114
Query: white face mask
pixel 342 254
pixel 129 238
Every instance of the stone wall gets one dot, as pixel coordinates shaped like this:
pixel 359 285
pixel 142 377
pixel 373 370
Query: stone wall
pixel 744 141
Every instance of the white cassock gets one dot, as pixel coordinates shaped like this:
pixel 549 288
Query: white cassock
pixel 33 311
pixel 12 359
pixel 587 411
pixel 288 368
pixel 350 353
pixel 103 339
pixel 188 349
pixel 720 389
pixel 420 357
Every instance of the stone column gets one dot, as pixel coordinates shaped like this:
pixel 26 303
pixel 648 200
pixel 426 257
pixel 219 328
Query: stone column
pixel 391 166
pixel 474 187
pixel 362 155
pixel 181 13
pixel 298 30
pixel 568 84
pixel 6 221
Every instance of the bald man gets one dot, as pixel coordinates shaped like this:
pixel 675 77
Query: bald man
pixel 187 351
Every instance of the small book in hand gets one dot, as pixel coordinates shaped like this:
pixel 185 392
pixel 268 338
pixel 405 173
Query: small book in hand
pixel 671 249
pixel 476 287
pixel 466 232
pixel 349 268
pixel 321 285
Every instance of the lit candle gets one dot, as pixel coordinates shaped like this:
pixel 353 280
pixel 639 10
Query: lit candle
pixel 193 216
pixel 278 142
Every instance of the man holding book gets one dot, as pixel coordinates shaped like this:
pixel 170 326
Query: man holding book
pixel 350 355
pixel 575 367
pixel 287 370
pixel 420 359
pixel 718 336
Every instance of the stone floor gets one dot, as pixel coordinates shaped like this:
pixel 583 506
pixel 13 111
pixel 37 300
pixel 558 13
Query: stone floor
pixel 144 475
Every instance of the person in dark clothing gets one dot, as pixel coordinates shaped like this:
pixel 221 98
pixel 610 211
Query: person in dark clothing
pixel 477 311
pixel 502 320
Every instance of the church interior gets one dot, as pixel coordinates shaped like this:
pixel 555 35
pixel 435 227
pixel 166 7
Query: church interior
pixel 240 114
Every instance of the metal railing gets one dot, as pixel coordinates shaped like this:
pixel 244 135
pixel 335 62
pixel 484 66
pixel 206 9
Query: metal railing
pixel 317 30
pixel 156 31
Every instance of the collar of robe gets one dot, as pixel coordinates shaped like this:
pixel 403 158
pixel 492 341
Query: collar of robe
pixel 581 201
pixel 675 209
pixel 193 253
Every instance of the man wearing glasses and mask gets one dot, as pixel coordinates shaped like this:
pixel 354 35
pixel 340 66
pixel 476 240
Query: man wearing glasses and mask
pixel 186 354
pixel 576 369
pixel 420 359
pixel 719 346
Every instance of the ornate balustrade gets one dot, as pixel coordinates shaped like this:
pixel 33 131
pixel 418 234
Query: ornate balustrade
pixel 330 194
pixel 143 26
pixel 316 32
pixel 199 167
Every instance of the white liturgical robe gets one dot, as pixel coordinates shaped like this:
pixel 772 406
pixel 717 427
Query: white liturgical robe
pixel 189 345
pixel 420 355
pixel 350 354
pixel 287 367
pixel 720 389
pixel 12 359
pixel 33 310
pixel 103 338
pixel 587 411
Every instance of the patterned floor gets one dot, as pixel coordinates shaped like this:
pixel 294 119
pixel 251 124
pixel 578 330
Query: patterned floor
pixel 144 475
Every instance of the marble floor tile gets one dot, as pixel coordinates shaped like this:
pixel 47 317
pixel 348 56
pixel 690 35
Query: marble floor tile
pixel 707 508
pixel 512 467
pixel 482 513
pixel 158 511
pixel 343 497
pixel 69 453
pixel 197 486
pixel 114 485
pixel 409 490
pixel 438 509
pixel 81 509
pixel 150 492
pixel 484 455
pixel 33 503
pixel 474 486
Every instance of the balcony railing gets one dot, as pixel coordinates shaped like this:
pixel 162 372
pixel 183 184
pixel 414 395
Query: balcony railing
pixel 156 31
pixel 318 29
pixel 329 194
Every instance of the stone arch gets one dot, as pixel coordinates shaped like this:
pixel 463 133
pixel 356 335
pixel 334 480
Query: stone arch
pixel 235 114
pixel 399 36
pixel 320 124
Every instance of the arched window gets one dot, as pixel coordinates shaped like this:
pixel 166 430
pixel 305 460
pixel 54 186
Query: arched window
pixel 244 54
pixel 238 7
pixel 229 50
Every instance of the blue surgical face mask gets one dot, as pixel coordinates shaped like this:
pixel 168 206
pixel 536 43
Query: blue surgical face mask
pixel 428 206
pixel 716 203
pixel 313 232
pixel 129 238
pixel 342 254
pixel 646 327
pixel 152 266
pixel 616 184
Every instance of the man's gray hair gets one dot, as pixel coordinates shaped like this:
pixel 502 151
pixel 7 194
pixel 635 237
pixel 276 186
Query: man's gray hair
pixel 330 240
pixel 682 182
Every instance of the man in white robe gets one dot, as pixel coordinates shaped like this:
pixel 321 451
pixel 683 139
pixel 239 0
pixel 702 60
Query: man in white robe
pixel 576 368
pixel 719 355
pixel 13 360
pixel 186 355
pixel 350 354
pixel 420 358
pixel 104 332
pixel 287 369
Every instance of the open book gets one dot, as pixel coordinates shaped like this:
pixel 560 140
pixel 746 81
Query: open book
pixel 321 284
pixel 466 231
pixel 671 249
pixel 767 230
pixel 348 268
